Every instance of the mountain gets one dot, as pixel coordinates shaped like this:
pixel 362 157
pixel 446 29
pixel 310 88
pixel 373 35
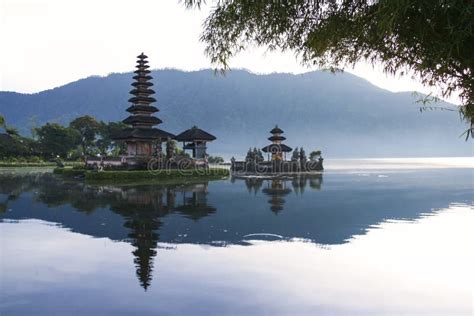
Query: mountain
pixel 341 114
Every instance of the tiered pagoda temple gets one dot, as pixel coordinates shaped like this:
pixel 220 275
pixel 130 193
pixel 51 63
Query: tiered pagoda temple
pixel 142 139
pixel 277 149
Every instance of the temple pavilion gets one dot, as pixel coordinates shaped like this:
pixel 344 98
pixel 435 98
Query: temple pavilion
pixel 142 139
pixel 277 149
pixel 195 139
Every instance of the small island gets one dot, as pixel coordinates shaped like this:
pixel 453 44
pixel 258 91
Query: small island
pixel 276 163
pixel 144 142
pixel 136 150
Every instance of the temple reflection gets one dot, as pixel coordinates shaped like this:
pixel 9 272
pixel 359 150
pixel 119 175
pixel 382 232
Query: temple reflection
pixel 278 188
pixel 152 216
pixel 141 207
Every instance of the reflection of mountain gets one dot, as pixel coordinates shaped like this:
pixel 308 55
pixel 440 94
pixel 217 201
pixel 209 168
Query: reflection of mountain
pixel 224 212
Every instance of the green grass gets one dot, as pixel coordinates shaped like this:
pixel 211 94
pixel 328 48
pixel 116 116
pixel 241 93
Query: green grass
pixel 69 172
pixel 34 164
pixel 27 164
pixel 144 175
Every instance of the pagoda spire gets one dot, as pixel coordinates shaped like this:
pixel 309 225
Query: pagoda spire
pixel 142 96
pixel 277 148
pixel 142 138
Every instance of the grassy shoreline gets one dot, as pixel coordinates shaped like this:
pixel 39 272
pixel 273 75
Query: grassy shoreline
pixel 5 164
pixel 144 175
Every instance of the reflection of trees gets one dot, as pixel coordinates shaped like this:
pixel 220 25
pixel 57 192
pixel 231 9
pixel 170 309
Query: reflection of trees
pixel 316 182
pixel 13 184
pixel 194 202
pixel 142 207
pixel 253 184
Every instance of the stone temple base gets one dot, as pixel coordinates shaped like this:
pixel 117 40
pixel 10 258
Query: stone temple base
pixel 280 167
pixel 144 163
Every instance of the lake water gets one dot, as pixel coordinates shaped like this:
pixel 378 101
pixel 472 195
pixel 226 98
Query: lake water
pixel 367 237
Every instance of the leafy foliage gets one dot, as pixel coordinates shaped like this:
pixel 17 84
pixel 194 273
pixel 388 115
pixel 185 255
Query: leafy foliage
pixel 105 143
pixel 434 39
pixel 57 140
pixel 14 146
pixel 215 159
pixel 314 154
pixel 88 128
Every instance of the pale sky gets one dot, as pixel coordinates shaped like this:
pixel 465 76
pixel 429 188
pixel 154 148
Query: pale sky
pixel 48 43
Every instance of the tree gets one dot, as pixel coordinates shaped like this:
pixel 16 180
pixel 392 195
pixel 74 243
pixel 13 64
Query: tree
pixel 105 142
pixel 302 155
pixel 57 140
pixel 10 130
pixel 260 157
pixel 296 155
pixel 215 159
pixel 250 156
pixel 314 155
pixel 17 146
pixel 432 38
pixel 88 128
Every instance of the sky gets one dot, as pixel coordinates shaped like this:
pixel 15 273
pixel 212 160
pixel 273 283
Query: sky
pixel 48 43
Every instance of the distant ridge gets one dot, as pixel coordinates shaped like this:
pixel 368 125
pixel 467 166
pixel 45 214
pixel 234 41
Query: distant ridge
pixel 341 114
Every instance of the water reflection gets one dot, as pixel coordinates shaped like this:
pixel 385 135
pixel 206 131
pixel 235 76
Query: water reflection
pixel 141 208
pixel 225 212
pixel 277 188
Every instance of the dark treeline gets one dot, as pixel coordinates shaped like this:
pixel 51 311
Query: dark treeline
pixel 83 136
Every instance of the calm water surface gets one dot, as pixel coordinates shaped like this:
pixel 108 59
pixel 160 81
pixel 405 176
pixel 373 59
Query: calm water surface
pixel 364 238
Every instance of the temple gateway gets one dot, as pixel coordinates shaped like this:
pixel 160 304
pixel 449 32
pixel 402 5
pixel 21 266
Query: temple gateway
pixel 143 141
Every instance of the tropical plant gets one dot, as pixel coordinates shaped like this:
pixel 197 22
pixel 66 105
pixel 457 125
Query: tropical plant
pixel 215 159
pixel 57 140
pixel 88 128
pixel 105 142
pixel 296 154
pixel 315 154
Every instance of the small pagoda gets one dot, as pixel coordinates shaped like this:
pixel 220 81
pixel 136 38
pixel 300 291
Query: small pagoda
pixel 142 139
pixel 277 149
pixel 195 139
pixel 254 163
